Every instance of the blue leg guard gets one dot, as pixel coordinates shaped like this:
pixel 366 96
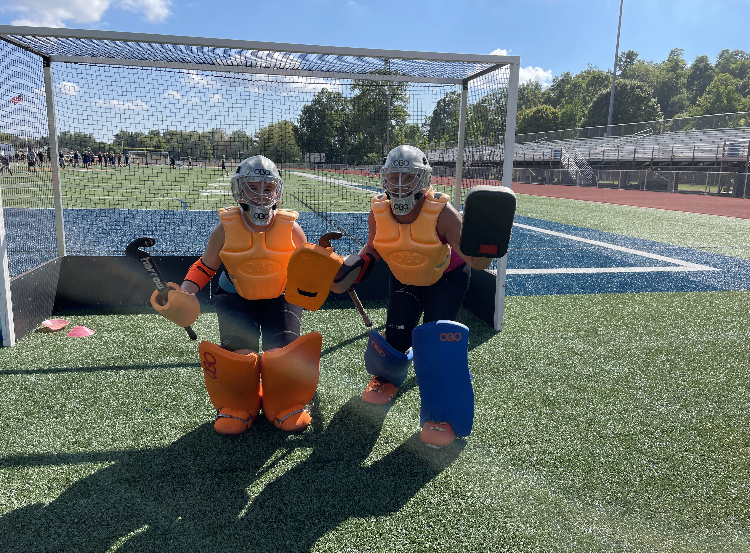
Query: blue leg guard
pixel 441 362
pixel 386 363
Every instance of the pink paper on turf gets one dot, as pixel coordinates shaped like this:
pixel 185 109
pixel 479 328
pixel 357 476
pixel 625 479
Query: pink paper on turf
pixel 80 332
pixel 55 324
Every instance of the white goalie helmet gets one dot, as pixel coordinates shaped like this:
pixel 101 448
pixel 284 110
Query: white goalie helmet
pixel 404 176
pixel 258 188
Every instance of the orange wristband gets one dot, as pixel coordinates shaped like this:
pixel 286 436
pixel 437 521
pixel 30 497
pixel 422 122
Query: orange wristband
pixel 200 273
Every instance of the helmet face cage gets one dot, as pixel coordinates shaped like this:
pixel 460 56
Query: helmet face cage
pixel 405 160
pixel 258 188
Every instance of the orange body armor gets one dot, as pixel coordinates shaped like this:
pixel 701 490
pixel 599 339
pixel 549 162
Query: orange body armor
pixel 414 253
pixel 256 262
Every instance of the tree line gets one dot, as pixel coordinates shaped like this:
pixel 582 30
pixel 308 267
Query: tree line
pixel 644 91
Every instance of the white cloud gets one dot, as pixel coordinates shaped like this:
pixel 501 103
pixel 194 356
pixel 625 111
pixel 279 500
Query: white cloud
pixel 529 73
pixel 215 98
pixel 172 95
pixel 288 86
pixel 137 105
pixel 193 78
pixel 55 13
pixel 153 11
pixel 67 88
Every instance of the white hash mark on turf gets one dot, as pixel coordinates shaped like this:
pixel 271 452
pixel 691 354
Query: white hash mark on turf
pixel 678 265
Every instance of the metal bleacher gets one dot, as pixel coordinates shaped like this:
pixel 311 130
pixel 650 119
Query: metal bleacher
pixel 686 147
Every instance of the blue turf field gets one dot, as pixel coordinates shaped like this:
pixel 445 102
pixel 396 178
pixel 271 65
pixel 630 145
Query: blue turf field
pixel 544 257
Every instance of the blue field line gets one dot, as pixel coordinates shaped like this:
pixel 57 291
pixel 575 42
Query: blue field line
pixel 544 257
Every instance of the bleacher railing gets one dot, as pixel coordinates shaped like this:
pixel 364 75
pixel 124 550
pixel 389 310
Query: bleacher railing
pixel 691 182
pixel 662 126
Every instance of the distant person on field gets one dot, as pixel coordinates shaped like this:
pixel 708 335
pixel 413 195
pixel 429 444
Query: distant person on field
pixel 31 161
pixel 224 166
pixel 4 164
pixel 171 162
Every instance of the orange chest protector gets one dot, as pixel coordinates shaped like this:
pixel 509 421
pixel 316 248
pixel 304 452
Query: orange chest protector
pixel 256 262
pixel 413 252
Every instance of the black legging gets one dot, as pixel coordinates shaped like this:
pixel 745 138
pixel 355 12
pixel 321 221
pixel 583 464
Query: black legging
pixel 241 321
pixel 406 303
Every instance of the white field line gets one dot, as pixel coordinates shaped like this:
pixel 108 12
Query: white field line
pixel 360 187
pixel 678 264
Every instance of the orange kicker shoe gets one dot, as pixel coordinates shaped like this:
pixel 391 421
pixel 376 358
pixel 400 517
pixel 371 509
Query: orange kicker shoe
pixel 437 434
pixel 232 422
pixel 379 392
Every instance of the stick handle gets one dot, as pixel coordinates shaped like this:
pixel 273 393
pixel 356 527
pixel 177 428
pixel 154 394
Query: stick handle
pixel 358 305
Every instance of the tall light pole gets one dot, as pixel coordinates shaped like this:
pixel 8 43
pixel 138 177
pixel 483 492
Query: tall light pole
pixel 614 75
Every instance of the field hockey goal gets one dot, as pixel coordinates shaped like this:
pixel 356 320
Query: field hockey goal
pixel 326 115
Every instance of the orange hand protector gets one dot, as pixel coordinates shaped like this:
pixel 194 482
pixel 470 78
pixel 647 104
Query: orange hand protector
pixel 181 308
pixel 290 377
pixel 233 386
pixel 310 275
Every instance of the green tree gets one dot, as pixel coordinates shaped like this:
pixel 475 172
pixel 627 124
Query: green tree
pixel 530 95
pixel 442 125
pixel 572 94
pixel 721 96
pixel 323 125
pixel 735 63
pixel 645 72
pixel 370 124
pixel 670 87
pixel 701 74
pixel 485 123
pixel 625 61
pixel 411 134
pixel 538 119
pixel 76 141
pixel 634 102
pixel 278 142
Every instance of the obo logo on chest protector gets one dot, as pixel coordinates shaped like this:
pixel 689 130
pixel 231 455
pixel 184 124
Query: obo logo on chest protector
pixel 260 267
pixel 408 259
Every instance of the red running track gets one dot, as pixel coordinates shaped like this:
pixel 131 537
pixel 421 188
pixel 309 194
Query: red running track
pixel 691 203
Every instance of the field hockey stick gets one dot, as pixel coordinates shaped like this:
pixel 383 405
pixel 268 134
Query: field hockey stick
pixel 325 241
pixel 133 250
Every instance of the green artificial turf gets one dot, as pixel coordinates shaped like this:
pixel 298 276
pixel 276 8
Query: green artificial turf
pixel 603 423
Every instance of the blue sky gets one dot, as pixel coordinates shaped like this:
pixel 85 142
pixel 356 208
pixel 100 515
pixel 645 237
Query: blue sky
pixel 551 36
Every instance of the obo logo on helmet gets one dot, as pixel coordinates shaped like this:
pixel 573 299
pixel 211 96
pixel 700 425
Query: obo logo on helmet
pixel 401 163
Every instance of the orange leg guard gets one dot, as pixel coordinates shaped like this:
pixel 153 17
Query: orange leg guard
pixel 290 377
pixel 233 385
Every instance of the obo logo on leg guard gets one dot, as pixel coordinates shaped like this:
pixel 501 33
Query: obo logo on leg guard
pixel 209 364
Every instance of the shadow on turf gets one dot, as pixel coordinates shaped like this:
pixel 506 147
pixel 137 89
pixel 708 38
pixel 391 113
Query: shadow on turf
pixel 197 494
